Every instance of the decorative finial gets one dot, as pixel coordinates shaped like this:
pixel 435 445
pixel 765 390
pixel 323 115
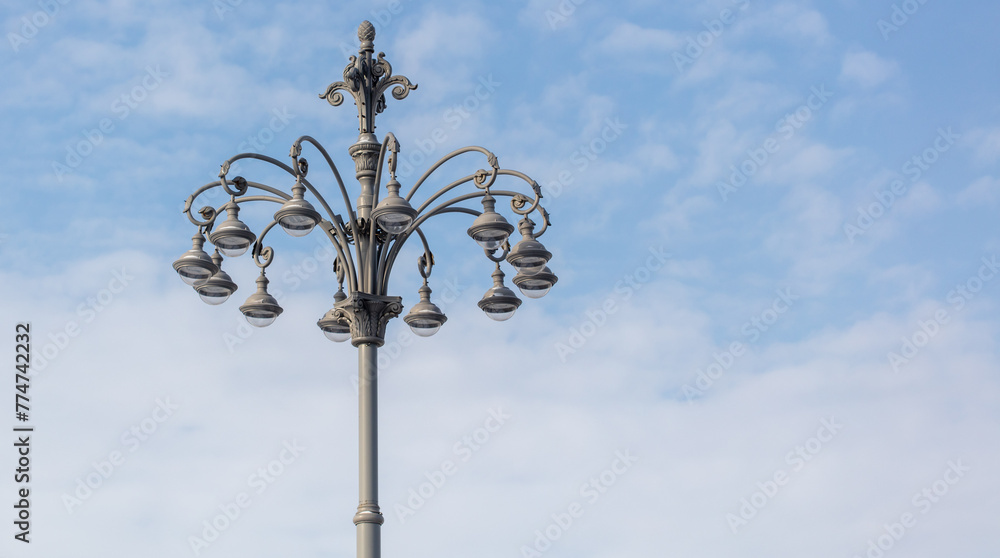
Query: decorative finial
pixel 366 31
pixel 367 80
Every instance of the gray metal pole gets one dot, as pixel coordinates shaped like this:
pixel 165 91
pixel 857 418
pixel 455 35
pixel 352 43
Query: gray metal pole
pixel 368 519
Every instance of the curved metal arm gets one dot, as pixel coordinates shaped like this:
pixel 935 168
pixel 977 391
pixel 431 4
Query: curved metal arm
pixel 545 222
pixel 189 203
pixel 425 263
pixel 534 186
pixel 517 203
pixel 518 200
pixel 334 229
pixel 390 258
pixel 390 144
pixel 490 157
pixel 386 248
pixel 444 190
pixel 338 237
pixel 294 172
pixel 215 212
pixel 445 207
pixel 297 150
pixel 503 255
pixel 261 251
pixel 393 252
pixel 264 255
pixel 274 199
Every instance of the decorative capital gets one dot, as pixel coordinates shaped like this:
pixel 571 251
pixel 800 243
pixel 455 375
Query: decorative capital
pixel 367 81
pixel 368 315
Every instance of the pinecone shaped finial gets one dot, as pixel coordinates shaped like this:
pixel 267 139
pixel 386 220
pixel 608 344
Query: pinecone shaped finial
pixel 366 31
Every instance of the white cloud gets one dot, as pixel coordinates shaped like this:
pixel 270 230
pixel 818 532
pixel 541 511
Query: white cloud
pixel 921 198
pixel 983 191
pixel 718 62
pixel 791 20
pixel 985 143
pixel 627 36
pixel 809 161
pixel 867 69
pixel 658 157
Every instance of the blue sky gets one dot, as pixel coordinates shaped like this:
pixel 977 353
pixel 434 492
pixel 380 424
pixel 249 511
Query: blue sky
pixel 774 331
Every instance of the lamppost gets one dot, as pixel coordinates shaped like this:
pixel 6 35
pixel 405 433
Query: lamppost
pixel 367 240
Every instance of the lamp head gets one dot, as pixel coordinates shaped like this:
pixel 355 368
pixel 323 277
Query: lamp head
pixel 425 318
pixel 393 213
pixel 490 229
pixel 297 216
pixel 261 309
pixel 537 285
pixel 195 265
pixel 499 302
pixel 335 329
pixel 217 288
pixel 232 237
pixel 528 256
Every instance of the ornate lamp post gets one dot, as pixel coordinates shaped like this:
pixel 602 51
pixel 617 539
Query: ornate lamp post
pixel 367 239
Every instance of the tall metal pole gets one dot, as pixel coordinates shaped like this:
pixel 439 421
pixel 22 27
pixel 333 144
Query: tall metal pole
pixel 368 519
pixel 367 315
